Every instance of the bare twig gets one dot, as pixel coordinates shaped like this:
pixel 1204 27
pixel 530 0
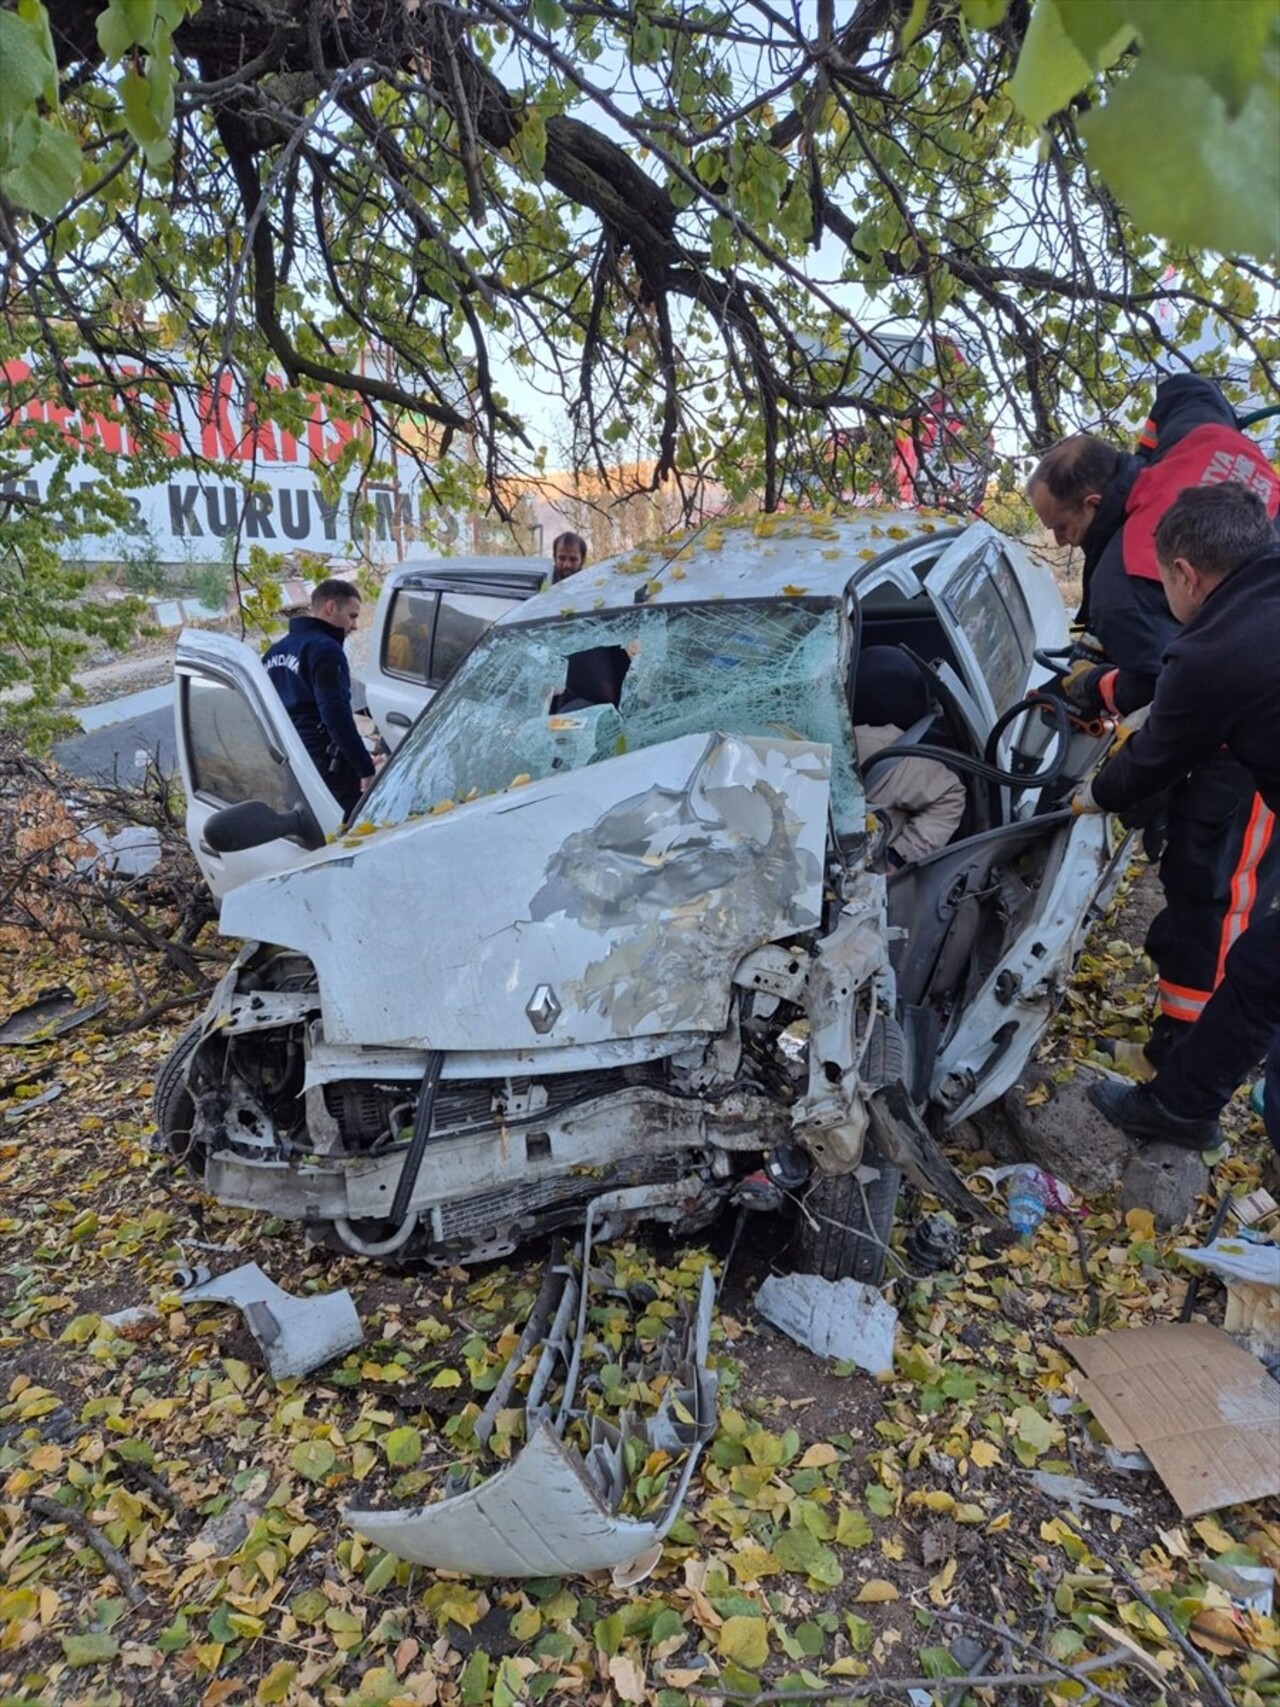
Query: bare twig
pixel 115 1561
pixel 1217 1690
pixel 893 1686
pixel 1012 1639
pixel 155 1486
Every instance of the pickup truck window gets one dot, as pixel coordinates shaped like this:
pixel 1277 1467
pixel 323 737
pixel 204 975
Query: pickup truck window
pixel 462 619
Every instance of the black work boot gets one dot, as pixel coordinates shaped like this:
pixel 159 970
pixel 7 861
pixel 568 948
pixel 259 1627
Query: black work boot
pixel 1166 1035
pixel 1140 1114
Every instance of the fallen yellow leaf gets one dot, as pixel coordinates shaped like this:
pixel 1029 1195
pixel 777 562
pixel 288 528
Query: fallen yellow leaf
pixel 875 1591
pixel 819 1455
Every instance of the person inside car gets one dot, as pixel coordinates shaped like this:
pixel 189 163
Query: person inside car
pixel 918 802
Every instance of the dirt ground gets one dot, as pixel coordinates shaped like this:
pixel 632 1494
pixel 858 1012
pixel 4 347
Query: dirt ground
pixel 839 1528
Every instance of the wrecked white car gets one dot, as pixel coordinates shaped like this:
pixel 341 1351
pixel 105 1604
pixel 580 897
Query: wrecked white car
pixel 615 915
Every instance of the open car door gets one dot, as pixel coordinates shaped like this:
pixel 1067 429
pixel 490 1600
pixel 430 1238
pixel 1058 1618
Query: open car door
pixel 996 604
pixel 236 743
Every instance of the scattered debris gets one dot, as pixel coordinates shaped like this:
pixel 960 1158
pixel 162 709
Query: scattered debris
pixel 1252 1275
pixel 935 1243
pixel 22 1111
pixel 224 1532
pixel 296 1335
pixel 552 1511
pixel 1251 1587
pixel 836 1318
pixel 133 851
pixel 1073 1491
pixel 1132 1463
pixel 51 1014
pixel 1205 1412
pixel 1254 1206
pixel 134 1322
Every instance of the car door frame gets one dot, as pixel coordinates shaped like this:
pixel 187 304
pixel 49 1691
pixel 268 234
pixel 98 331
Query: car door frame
pixel 200 654
pixel 1044 609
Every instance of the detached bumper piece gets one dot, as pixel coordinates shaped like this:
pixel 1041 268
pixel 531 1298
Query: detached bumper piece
pixel 295 1335
pixel 554 1511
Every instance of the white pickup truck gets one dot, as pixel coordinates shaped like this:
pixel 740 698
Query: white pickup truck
pixel 430 613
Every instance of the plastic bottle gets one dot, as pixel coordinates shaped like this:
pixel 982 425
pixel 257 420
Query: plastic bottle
pixel 1258 1095
pixel 1027 1198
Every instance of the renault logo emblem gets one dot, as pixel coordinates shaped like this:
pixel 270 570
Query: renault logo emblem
pixel 543 1009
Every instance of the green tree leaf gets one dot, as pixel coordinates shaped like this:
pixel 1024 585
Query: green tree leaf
pixel 27 67
pixel 1226 42
pixel 1093 26
pixel 473 1686
pixel 1225 192
pixel 313 1459
pixel 92 1648
pixel 745 1641
pixel 984 14
pixel 403 1447
pixel 800 1550
pixel 1051 68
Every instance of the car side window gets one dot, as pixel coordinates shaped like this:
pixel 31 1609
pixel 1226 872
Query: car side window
pixel 406 650
pixel 984 597
pixel 228 751
pixel 463 618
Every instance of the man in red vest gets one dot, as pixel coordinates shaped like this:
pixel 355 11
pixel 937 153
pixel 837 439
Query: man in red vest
pixel 1221 857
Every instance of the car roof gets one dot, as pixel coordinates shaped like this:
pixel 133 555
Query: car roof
pixel 768 557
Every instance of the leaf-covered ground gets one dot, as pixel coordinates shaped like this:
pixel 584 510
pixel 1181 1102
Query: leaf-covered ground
pixel 839 1531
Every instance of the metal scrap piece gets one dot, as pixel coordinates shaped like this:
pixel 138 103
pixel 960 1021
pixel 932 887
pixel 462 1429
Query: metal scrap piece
pixel 553 1511
pixel 836 1318
pixel 295 1335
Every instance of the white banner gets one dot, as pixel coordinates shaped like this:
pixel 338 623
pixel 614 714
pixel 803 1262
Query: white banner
pixel 196 517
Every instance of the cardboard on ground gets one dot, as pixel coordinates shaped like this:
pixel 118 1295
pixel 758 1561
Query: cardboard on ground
pixel 1206 1414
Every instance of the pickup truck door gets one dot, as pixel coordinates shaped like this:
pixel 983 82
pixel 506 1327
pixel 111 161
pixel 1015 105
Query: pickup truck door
pixel 423 627
pixel 235 743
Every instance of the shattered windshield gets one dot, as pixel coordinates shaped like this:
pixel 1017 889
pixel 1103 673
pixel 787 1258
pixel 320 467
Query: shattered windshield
pixel 560 695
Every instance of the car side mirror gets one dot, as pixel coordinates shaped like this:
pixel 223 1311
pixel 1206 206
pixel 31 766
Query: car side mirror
pixel 253 823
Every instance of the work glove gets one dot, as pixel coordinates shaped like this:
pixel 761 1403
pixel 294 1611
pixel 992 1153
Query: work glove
pixel 1082 802
pixel 1087 687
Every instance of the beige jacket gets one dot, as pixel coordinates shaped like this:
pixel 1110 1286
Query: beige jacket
pixel 922 800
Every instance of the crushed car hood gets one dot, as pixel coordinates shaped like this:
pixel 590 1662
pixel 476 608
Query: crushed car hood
pixel 609 902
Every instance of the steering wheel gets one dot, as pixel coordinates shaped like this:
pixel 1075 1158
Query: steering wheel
pixel 1053 657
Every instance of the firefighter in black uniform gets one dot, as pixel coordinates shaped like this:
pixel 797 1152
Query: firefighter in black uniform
pixel 1220 686
pixel 1219 854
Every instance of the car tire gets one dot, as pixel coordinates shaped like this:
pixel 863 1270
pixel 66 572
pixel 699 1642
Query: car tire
pixel 843 1224
pixel 173 1105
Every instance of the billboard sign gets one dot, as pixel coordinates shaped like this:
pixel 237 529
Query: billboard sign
pixel 261 486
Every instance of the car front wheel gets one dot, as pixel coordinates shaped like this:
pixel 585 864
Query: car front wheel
pixel 843 1222
pixel 174 1107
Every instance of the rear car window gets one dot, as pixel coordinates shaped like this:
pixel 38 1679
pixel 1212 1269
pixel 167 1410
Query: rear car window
pixel 227 749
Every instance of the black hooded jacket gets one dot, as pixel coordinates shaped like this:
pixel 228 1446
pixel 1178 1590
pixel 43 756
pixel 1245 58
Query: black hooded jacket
pixel 1220 687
